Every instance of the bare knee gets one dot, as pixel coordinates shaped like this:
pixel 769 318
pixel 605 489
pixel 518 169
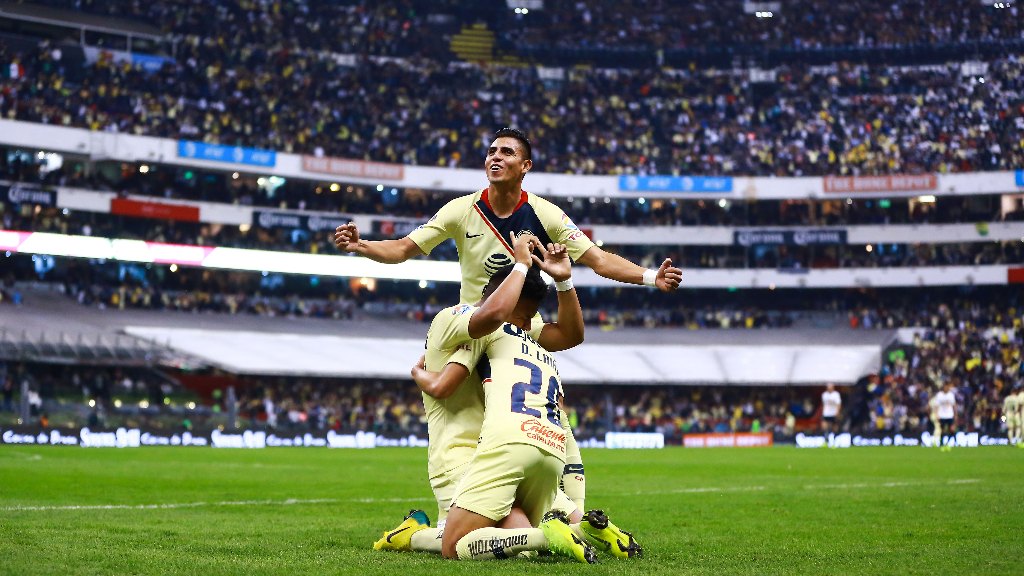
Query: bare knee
pixel 459 523
pixel 517 518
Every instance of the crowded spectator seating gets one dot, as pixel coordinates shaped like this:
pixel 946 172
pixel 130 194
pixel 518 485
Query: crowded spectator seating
pixel 631 33
pixel 644 33
pixel 839 117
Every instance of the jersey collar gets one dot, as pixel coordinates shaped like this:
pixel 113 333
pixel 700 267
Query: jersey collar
pixel 523 197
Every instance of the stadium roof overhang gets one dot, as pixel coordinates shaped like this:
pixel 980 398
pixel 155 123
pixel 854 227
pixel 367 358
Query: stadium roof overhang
pixel 268 353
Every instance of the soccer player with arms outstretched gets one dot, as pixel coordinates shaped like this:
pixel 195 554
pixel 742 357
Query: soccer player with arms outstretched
pixel 480 224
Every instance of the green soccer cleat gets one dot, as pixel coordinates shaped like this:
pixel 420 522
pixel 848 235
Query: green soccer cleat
pixel 604 535
pixel 400 539
pixel 563 541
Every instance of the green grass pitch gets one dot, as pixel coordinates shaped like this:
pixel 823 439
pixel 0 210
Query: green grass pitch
pixel 69 510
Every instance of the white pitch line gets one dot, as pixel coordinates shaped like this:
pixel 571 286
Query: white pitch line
pixel 694 490
pixel 25 456
pixel 295 501
pixel 712 489
pixel 288 502
pixel 388 500
pixel 733 489
pixel 888 484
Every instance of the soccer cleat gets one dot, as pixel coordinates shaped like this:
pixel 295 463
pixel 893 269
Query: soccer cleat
pixel 604 535
pixel 400 539
pixel 563 541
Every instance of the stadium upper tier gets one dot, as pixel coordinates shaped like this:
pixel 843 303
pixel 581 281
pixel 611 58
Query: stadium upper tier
pixel 624 33
pixel 838 119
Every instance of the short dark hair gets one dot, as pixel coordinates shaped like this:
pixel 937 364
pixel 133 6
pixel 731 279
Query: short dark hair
pixel 518 134
pixel 534 288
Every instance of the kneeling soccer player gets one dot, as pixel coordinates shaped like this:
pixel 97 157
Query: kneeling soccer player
pixel 454 411
pixel 521 452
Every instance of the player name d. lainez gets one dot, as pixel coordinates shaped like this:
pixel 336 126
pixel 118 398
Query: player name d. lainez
pixel 513 330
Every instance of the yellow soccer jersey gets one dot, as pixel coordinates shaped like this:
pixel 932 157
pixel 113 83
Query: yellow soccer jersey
pixel 1011 407
pixel 453 423
pixel 483 239
pixel 521 389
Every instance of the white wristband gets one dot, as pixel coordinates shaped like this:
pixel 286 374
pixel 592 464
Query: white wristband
pixel 520 267
pixel 649 277
pixel 564 285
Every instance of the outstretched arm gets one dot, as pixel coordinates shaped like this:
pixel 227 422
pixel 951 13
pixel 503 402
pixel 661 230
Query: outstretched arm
pixel 346 238
pixel 615 267
pixel 441 384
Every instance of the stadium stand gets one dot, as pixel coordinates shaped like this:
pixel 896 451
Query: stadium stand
pixel 845 119
pixel 916 89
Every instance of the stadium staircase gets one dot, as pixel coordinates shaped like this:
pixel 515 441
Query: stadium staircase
pixel 475 43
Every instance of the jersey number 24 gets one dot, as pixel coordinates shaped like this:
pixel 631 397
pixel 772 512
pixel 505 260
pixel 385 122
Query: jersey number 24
pixel 520 389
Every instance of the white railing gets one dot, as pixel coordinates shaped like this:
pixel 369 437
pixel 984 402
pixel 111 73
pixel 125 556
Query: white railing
pixel 232 214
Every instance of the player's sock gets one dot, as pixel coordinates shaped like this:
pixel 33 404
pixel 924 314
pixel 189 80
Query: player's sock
pixel 500 543
pixel 574 484
pixel 427 540
pixel 564 504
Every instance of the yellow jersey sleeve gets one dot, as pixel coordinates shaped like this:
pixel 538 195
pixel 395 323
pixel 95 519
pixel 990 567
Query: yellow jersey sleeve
pixel 450 329
pixel 560 228
pixel 536 326
pixel 463 355
pixel 448 223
